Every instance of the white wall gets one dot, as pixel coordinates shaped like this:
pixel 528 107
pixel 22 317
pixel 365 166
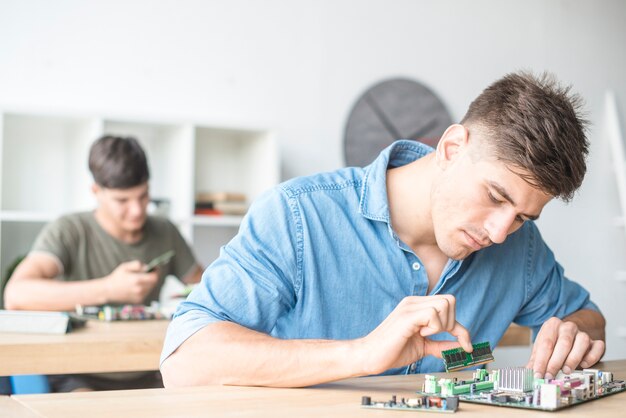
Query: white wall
pixel 298 66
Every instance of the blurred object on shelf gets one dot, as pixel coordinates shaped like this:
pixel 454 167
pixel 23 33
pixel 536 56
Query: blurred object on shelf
pixel 220 203
pixel 220 197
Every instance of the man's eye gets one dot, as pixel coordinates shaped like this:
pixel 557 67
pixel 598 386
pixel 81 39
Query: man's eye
pixel 493 198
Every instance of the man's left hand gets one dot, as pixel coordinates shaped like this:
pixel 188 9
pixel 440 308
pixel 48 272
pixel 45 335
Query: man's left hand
pixel 562 345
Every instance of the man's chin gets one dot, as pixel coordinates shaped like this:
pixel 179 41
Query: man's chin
pixel 455 250
pixel 134 226
pixel 459 254
pixel 463 257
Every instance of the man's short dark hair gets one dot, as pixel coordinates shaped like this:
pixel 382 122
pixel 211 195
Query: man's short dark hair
pixel 118 162
pixel 536 125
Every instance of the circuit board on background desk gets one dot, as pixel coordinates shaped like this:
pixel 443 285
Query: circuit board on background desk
pixel 421 403
pixel 517 388
pixel 121 313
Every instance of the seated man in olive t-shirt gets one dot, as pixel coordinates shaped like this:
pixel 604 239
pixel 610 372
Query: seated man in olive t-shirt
pixel 97 258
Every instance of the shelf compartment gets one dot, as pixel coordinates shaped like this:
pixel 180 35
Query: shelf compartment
pixel 233 160
pixel 43 162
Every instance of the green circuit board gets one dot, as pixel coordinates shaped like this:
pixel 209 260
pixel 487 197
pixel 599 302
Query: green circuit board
pixel 516 387
pixel 457 358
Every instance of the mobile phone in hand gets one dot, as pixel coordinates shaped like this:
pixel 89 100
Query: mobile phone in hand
pixel 159 261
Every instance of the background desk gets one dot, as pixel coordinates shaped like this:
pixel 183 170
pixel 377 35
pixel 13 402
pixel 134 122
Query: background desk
pixel 98 347
pixel 341 399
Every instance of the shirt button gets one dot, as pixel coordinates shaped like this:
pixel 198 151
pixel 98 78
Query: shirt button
pixel 412 368
pixel 416 266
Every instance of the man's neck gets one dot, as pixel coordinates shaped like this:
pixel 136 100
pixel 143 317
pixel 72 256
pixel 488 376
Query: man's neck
pixel 111 228
pixel 408 193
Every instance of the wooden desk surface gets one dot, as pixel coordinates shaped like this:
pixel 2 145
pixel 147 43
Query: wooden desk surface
pixel 341 399
pixel 98 347
pixel 516 335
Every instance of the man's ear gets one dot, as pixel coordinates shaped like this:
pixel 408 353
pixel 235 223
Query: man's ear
pixel 453 141
pixel 95 189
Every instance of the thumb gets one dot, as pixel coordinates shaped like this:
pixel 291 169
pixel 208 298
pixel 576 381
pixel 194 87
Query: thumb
pixel 434 348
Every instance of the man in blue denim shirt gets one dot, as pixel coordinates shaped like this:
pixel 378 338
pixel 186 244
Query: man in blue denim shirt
pixel 377 270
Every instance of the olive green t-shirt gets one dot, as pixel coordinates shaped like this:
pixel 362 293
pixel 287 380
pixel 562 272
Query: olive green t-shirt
pixel 86 251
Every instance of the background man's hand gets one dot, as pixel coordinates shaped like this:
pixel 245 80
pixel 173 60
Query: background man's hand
pixel 562 345
pixel 401 338
pixel 129 283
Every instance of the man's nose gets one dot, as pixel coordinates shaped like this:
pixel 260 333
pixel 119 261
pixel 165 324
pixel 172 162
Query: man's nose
pixel 499 226
pixel 136 208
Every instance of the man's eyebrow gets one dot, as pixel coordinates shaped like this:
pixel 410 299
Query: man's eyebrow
pixel 502 192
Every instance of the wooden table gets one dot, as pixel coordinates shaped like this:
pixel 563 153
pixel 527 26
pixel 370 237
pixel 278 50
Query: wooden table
pixel 516 335
pixel 98 347
pixel 341 399
pixel 110 347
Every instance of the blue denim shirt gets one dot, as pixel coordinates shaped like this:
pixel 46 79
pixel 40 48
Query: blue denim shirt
pixel 316 257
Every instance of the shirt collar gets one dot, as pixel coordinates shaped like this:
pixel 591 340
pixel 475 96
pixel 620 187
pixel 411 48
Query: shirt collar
pixel 374 204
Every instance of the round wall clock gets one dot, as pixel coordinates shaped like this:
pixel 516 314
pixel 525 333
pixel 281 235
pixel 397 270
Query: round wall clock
pixel 390 110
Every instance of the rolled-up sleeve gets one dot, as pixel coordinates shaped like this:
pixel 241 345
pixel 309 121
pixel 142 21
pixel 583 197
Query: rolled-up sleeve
pixel 548 292
pixel 254 280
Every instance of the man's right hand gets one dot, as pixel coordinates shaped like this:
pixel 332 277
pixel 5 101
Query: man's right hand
pixel 129 283
pixel 401 338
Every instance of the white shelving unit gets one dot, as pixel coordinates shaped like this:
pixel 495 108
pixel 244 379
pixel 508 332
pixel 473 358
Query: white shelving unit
pixel 226 220
pixel 44 172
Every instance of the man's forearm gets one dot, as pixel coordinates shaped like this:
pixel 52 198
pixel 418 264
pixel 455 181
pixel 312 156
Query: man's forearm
pixel 227 353
pixel 53 295
pixel 589 321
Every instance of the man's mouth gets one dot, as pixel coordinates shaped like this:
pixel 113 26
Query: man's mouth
pixel 473 242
